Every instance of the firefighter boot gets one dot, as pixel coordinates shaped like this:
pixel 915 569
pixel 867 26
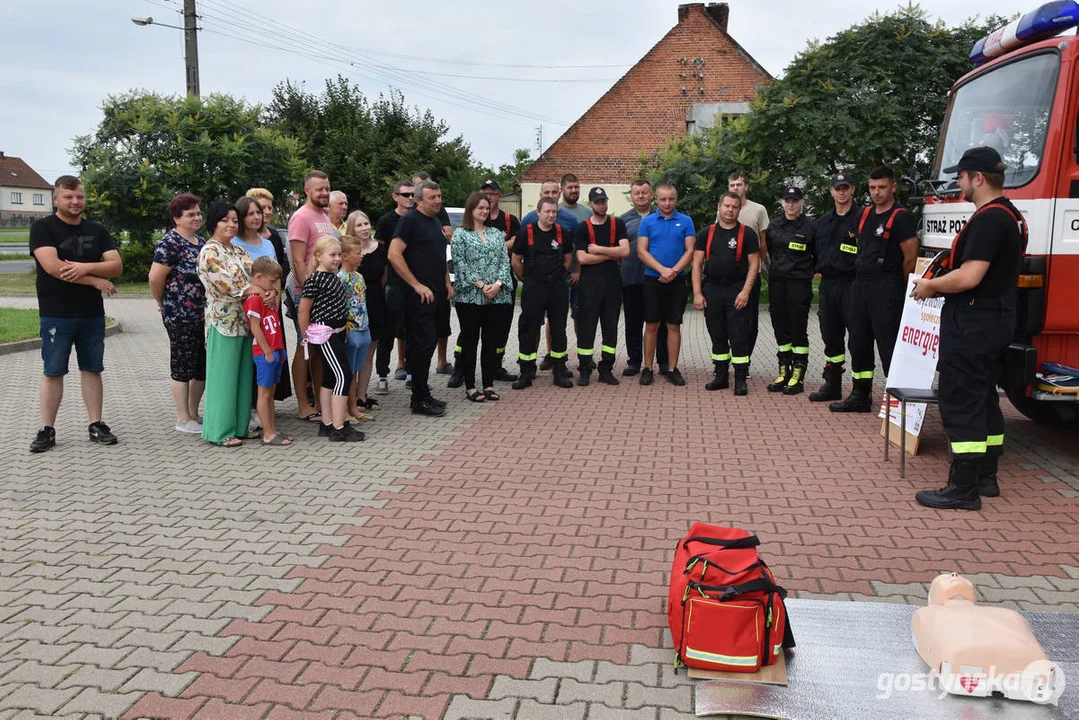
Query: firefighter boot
pixel 741 374
pixel 560 376
pixel 527 375
pixel 961 492
pixel 987 477
pixel 584 370
pixel 832 389
pixel 795 386
pixel 785 371
pixel 859 400
pixel 722 379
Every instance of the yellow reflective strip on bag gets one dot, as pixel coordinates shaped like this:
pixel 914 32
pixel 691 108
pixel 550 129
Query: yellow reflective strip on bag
pixel 738 660
pixel 852 249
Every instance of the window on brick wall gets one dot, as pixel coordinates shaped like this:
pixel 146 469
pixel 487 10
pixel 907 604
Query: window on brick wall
pixel 16 198
pixel 39 198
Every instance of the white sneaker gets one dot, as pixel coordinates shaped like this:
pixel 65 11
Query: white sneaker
pixel 383 386
pixel 191 427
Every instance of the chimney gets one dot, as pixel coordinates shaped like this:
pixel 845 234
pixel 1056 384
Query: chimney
pixel 719 12
pixel 683 10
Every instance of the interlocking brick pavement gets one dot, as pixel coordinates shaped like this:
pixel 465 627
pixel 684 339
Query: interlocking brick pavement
pixel 508 560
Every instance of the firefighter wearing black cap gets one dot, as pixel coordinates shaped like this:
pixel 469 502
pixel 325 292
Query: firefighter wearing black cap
pixel 976 326
pixel 790 289
pixel 837 248
pixel 542 252
pixel 887 253
pixel 601 242
pixel 726 259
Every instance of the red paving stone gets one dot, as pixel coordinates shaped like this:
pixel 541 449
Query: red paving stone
pixel 498 553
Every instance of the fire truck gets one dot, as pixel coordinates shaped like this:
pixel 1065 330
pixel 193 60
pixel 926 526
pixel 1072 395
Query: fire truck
pixel 1022 98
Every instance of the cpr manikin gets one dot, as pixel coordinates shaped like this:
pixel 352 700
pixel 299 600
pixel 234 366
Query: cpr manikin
pixel 978 650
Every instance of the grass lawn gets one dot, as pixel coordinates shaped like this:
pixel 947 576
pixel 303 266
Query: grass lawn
pixel 19 237
pixel 15 256
pixel 25 284
pixel 18 324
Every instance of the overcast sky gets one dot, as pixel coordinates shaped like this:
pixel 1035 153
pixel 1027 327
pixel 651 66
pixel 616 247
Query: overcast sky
pixel 62 57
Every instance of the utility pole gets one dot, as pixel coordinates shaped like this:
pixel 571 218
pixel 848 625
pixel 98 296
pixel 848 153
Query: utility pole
pixel 191 48
pixel 539 140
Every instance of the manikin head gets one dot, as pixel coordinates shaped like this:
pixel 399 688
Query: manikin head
pixel 951 589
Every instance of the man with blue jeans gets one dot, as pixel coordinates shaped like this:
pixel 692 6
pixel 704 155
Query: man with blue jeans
pixel 75 259
pixel 665 241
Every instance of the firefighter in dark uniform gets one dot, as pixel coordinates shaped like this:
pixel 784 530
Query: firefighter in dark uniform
pixel 726 260
pixel 542 253
pixel 976 326
pixel 887 253
pixel 601 242
pixel 790 289
pixel 837 248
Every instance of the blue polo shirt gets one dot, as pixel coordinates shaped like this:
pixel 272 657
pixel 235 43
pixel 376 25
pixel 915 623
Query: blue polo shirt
pixel 666 238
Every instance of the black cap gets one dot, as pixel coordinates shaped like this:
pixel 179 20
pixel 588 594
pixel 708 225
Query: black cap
pixel 489 183
pixel 979 159
pixel 841 179
pixel 792 193
pixel 596 193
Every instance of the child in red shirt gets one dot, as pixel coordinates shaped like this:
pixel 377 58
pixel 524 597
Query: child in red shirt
pixel 267 346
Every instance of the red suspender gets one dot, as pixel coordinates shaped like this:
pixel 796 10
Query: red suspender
pixel 887 225
pixel 712 234
pixel 949 262
pixel 507 216
pixel 592 233
pixel 557 232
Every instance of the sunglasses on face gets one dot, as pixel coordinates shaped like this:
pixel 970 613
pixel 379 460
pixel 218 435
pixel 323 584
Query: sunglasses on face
pixel 406 194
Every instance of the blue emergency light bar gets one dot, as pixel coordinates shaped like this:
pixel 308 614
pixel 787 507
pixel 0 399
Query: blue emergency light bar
pixel 1045 22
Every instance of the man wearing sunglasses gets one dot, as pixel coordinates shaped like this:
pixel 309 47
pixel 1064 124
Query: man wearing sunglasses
pixel 393 326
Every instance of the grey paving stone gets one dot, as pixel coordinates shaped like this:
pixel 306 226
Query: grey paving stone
pixel 43 700
pixel 638 696
pixel 581 671
pixel 531 710
pixel 96 677
pixel 609 672
pixel 35 673
pixel 604 712
pixel 465 708
pixel 166 683
pixel 610 694
pixel 107 704
pixel 542 691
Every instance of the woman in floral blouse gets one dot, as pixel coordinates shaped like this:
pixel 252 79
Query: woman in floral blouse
pixel 181 300
pixel 225 271
pixel 483 299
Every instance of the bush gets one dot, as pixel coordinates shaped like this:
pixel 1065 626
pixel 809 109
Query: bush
pixel 137 259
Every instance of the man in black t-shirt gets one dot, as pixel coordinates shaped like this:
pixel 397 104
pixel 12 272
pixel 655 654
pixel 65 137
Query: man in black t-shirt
pixel 418 255
pixel 541 258
pixel 601 242
pixel 75 259
pixel 393 326
pixel 442 312
pixel 887 253
pixel 976 326
pixel 726 260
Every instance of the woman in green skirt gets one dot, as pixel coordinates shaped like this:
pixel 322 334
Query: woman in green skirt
pixel 225 270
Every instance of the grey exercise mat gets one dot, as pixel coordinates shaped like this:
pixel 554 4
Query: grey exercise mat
pixel 848 651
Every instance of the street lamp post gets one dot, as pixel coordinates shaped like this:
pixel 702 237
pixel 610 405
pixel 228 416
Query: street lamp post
pixel 191 43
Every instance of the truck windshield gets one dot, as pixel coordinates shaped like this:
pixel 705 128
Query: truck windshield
pixel 1006 108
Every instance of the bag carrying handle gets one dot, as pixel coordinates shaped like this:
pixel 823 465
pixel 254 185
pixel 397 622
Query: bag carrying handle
pixel 730 591
pixel 750 541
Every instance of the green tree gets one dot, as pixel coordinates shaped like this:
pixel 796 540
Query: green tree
pixel 870 95
pixel 149 148
pixel 365 146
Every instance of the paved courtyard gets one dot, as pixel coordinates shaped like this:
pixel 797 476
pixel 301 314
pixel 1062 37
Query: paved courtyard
pixel 506 561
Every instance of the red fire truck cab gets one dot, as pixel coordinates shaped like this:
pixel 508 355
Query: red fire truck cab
pixel 1024 101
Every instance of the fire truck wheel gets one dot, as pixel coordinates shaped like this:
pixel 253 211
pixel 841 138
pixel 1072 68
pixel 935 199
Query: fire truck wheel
pixel 1045 413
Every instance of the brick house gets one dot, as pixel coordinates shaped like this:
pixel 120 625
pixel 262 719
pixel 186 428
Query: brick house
pixel 25 196
pixel 694 74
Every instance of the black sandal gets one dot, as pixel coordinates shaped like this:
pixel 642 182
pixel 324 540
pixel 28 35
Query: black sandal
pixel 476 396
pixel 372 404
pixel 490 394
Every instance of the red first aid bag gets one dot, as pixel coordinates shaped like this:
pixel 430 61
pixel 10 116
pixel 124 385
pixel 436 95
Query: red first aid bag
pixel 725 610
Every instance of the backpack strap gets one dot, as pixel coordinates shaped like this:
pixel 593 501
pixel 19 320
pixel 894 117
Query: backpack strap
pixel 750 541
pixel 708 245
